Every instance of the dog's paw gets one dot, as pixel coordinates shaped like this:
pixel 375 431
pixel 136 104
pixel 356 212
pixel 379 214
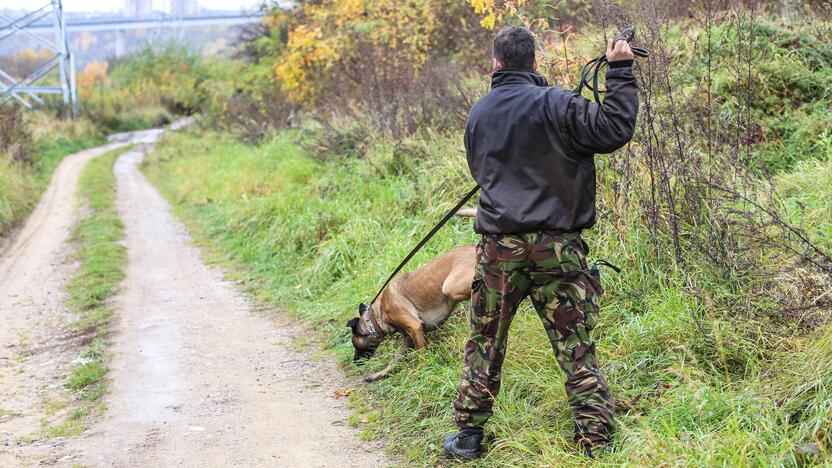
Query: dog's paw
pixel 374 377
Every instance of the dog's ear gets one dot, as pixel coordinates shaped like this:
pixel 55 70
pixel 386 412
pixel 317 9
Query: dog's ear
pixel 353 324
pixel 362 308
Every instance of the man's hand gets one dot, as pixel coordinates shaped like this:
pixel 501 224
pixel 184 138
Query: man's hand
pixel 621 51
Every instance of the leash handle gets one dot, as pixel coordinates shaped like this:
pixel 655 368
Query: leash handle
pixel 626 34
pixel 425 240
pixel 594 66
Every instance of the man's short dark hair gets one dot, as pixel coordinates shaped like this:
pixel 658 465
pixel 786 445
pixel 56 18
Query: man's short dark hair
pixel 514 48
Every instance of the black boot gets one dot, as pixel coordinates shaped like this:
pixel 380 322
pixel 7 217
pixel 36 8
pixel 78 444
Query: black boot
pixel 465 445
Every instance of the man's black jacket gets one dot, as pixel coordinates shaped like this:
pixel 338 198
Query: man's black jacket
pixel 531 149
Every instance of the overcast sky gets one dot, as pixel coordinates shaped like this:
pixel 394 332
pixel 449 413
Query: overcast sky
pixel 115 5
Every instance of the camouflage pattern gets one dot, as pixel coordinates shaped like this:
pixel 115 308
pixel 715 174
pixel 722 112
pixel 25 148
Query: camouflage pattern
pixel 552 269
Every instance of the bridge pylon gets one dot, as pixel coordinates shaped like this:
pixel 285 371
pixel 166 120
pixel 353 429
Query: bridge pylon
pixel 29 90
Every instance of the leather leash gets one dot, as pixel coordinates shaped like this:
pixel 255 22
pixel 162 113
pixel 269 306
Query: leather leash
pixel 594 66
pixel 425 241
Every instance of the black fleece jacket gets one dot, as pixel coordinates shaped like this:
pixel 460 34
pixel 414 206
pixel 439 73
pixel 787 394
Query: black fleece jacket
pixel 531 149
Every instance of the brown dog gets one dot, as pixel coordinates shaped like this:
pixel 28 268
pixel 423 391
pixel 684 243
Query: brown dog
pixel 414 303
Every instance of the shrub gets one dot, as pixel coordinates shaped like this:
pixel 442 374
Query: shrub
pixel 31 146
pixel 383 65
pixel 148 88
pixel 13 131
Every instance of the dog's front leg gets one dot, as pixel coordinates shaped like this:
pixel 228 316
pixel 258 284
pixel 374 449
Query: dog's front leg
pixel 407 343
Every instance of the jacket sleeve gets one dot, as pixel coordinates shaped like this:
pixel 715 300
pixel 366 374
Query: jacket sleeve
pixel 593 128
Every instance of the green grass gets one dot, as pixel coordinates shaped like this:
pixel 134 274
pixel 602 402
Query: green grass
pixel 87 374
pixel 316 238
pixel 98 238
pixel 71 426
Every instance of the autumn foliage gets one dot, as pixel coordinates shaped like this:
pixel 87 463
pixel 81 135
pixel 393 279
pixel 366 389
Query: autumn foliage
pixel 331 37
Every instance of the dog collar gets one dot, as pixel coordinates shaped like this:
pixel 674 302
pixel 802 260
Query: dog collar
pixel 367 315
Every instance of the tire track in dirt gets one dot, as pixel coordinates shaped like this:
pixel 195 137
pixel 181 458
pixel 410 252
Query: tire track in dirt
pixel 35 354
pixel 199 378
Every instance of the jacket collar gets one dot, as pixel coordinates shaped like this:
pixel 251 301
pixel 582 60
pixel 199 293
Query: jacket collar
pixel 508 76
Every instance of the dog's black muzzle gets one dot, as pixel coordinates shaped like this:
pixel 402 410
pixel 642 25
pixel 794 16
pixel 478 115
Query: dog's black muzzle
pixel 361 356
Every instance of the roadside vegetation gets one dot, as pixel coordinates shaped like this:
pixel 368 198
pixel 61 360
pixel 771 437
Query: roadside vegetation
pixel 102 258
pixel 715 337
pixel 151 87
pixel 697 384
pixel 31 146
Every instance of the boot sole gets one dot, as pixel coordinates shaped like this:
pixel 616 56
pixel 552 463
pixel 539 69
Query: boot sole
pixel 471 456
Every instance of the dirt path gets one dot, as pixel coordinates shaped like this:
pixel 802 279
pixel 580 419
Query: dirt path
pixel 35 353
pixel 29 264
pixel 198 378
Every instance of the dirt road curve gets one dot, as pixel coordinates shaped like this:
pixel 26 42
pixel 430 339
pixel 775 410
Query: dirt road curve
pixel 34 355
pixel 27 266
pixel 198 377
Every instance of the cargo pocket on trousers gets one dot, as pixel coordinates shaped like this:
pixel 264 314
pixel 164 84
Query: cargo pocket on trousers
pixel 592 296
pixel 478 292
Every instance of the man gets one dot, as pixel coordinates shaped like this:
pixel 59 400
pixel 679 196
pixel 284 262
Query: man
pixel 530 148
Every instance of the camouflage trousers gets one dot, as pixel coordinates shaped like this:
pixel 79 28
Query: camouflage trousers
pixel 552 269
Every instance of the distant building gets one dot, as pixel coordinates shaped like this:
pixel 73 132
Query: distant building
pixel 183 7
pixel 138 7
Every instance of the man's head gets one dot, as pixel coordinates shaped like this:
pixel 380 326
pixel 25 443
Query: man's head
pixel 514 48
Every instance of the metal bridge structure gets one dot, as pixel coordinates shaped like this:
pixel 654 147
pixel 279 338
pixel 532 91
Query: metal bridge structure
pixel 120 25
pixel 50 18
pixel 29 90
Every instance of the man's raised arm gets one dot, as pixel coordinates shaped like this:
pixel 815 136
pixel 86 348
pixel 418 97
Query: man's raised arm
pixel 594 128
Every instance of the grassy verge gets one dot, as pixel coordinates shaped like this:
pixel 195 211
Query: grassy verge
pixel 703 385
pixel 102 257
pixel 21 183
